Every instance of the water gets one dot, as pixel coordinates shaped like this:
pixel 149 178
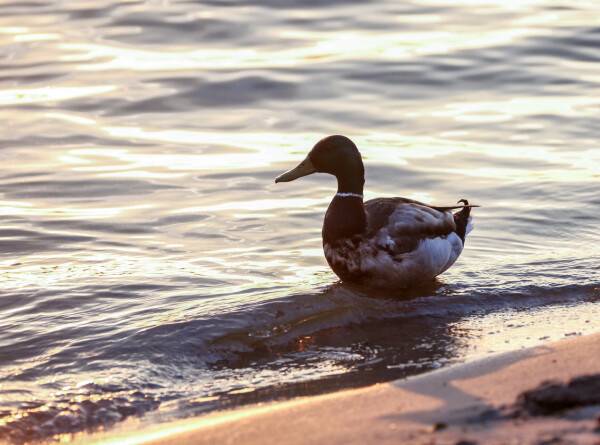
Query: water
pixel 152 270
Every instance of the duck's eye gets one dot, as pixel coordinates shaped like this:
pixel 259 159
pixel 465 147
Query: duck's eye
pixel 302 164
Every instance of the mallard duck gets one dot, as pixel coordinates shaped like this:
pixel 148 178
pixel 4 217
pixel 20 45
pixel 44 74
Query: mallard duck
pixel 383 242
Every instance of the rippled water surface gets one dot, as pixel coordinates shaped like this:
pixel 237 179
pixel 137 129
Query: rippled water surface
pixel 152 270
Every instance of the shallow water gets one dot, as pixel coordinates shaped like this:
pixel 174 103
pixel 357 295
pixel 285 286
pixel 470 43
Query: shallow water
pixel 150 267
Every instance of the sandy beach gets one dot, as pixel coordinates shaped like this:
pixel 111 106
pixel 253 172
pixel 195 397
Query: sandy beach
pixel 531 396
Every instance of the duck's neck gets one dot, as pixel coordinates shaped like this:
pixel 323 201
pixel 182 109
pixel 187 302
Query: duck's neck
pixel 346 214
pixel 351 184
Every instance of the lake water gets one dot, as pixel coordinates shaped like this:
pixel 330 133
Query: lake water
pixel 151 269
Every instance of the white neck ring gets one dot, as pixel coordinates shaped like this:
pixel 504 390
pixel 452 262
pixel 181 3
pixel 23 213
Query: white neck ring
pixel 349 195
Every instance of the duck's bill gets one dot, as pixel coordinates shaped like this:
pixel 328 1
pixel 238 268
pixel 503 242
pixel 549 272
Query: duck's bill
pixel 303 169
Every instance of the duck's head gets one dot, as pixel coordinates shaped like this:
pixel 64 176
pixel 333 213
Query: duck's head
pixel 336 155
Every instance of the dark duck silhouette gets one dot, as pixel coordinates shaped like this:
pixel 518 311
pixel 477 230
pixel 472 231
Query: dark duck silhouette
pixel 384 242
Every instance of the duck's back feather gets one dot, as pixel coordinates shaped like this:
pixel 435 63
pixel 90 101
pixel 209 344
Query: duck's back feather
pixel 406 217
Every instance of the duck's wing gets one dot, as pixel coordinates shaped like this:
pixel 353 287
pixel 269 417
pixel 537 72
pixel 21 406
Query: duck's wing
pixel 399 225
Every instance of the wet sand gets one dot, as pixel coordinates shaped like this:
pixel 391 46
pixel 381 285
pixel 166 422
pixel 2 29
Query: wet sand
pixel 500 399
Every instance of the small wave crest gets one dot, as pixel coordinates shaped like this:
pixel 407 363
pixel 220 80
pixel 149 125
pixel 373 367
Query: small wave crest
pixel 71 410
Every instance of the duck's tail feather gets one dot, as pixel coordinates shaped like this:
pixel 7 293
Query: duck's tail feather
pixel 463 220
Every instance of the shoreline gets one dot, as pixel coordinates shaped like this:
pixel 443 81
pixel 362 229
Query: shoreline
pixel 469 403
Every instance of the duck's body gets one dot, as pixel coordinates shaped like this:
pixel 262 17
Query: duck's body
pixel 384 242
pixel 402 242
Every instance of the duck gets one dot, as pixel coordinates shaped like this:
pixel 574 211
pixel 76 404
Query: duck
pixel 384 242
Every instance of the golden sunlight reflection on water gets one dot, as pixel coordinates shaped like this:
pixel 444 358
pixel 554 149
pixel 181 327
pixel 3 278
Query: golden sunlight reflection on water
pixel 262 204
pixel 101 211
pixel 325 47
pixel 254 150
pixel 518 106
pixel 49 94
pixel 501 331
